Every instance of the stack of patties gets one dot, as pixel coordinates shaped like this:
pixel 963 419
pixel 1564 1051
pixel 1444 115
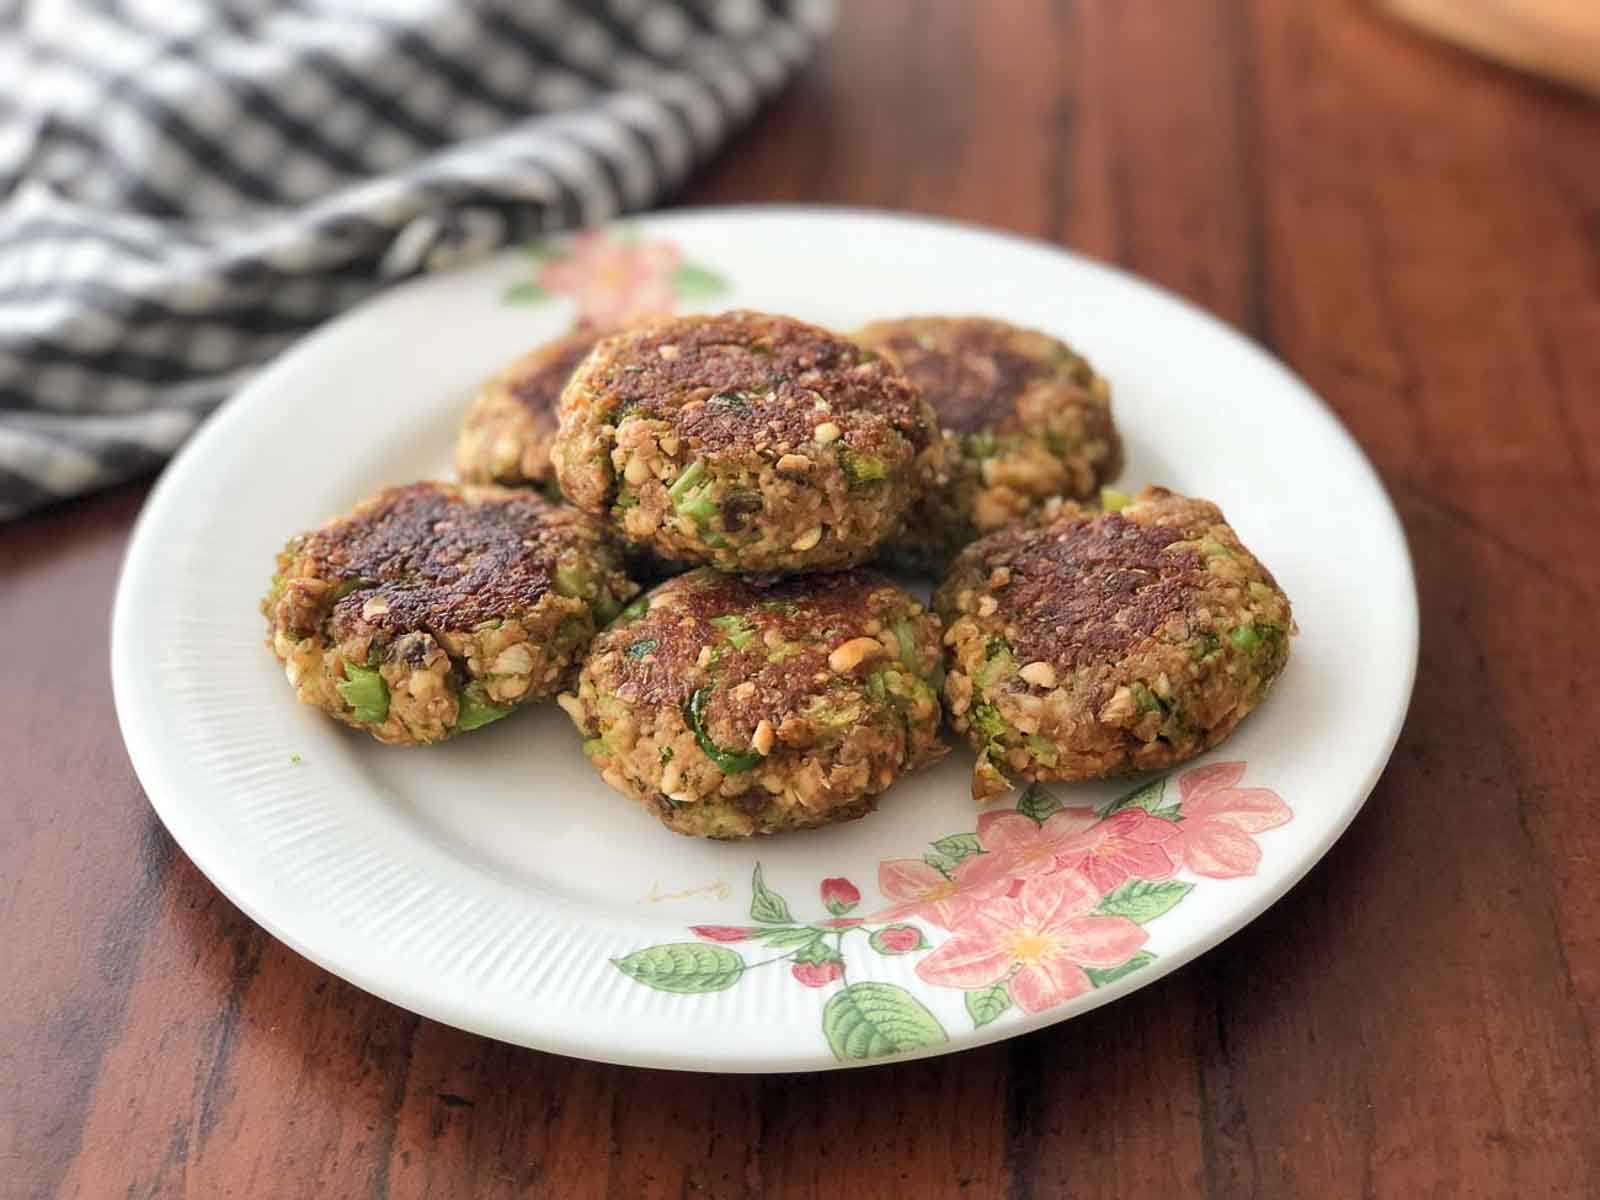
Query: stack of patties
pixel 1082 640
pixel 773 686
pixel 770 683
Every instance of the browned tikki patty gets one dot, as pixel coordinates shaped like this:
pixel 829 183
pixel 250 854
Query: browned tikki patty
pixel 770 374
pixel 968 370
pixel 508 429
pixel 433 609
pixel 730 709
pixel 1096 643
pixel 1025 419
pixel 537 386
pixel 750 442
pixel 799 621
pixel 1098 587
pixel 434 561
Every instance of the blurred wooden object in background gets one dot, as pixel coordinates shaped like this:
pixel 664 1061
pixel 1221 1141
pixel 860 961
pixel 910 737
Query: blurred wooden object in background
pixel 1558 39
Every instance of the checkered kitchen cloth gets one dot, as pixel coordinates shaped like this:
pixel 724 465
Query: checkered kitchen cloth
pixel 187 186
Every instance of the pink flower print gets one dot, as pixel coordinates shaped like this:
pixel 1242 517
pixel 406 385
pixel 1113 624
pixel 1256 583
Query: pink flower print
pixel 1107 851
pixel 1129 843
pixel 898 939
pixel 924 892
pixel 1040 939
pixel 815 975
pixel 817 966
pixel 723 933
pixel 614 282
pixel 1218 819
pixel 1027 848
pixel 839 896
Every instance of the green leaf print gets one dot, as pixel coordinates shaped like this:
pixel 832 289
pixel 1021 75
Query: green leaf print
pixel 525 293
pixel 766 905
pixel 697 283
pixel 1100 976
pixel 796 935
pixel 1038 803
pixel 873 1020
pixel 959 845
pixel 986 1005
pixel 1147 796
pixel 683 967
pixel 1143 901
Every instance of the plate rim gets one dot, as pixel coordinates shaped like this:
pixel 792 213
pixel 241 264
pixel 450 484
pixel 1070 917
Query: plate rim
pixel 197 841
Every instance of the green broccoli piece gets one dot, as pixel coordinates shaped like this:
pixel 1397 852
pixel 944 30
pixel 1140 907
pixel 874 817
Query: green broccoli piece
pixel 365 691
pixel 987 720
pixel 477 710
pixel 736 628
pixel 862 469
pixel 905 636
pixel 1246 638
pixel 634 611
pixel 576 581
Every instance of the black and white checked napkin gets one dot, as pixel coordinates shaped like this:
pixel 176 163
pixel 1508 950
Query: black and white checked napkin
pixel 187 186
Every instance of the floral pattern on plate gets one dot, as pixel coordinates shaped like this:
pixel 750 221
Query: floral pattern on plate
pixel 614 277
pixel 1040 904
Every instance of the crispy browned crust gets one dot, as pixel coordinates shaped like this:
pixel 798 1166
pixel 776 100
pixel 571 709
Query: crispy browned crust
pixel 775 367
pixel 968 369
pixel 812 613
pixel 463 602
pixel 816 694
pixel 508 429
pixel 1096 583
pixel 753 443
pixel 1093 643
pixel 441 556
pixel 535 380
pixel 1025 419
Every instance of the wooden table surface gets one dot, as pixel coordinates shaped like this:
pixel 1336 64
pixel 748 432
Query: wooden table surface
pixel 1418 234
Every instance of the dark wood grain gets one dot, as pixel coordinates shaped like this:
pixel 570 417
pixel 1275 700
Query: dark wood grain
pixel 1418 234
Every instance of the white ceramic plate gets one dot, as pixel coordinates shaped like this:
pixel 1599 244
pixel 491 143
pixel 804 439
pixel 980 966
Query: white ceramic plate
pixel 496 884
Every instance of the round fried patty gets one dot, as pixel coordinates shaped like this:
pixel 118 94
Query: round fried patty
pixel 433 609
pixel 1105 642
pixel 748 442
pixel 730 709
pixel 1024 417
pixel 506 434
